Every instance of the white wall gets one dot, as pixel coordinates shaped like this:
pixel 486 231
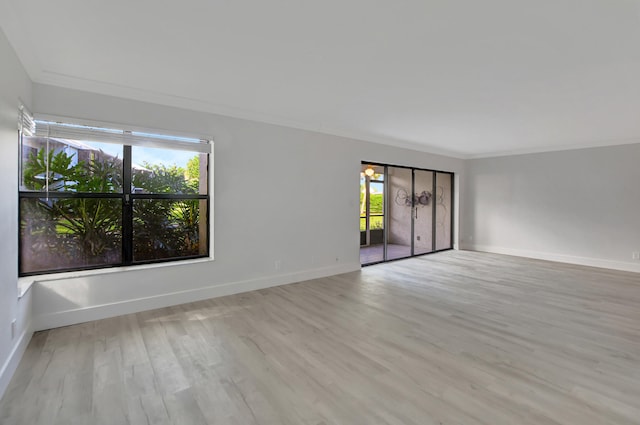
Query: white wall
pixel 280 194
pixel 14 85
pixel 580 206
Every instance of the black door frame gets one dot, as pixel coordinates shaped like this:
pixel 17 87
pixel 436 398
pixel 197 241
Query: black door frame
pixel 433 206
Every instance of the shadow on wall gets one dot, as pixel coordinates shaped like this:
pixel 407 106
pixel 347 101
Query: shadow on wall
pixel 51 296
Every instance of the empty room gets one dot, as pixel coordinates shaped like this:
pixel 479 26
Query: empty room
pixel 339 212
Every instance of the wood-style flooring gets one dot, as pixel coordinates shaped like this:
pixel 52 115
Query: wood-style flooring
pixel 459 338
pixel 375 253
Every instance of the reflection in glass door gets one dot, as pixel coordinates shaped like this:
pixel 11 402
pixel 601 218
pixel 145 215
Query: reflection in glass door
pixel 400 182
pixel 423 212
pixel 404 212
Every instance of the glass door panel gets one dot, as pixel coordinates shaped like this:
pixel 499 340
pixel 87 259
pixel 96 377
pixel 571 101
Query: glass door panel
pixel 372 217
pixel 443 206
pixel 423 212
pixel 399 217
pixel 404 212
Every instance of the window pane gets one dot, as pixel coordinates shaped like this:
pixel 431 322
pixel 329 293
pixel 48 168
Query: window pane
pixel 443 210
pixel 423 212
pixel 169 228
pixel 59 234
pixel 376 198
pixel 168 171
pixel 70 166
pixel 399 236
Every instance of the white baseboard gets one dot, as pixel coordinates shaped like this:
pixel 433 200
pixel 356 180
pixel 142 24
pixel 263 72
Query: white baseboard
pixel 103 311
pixel 9 367
pixel 561 258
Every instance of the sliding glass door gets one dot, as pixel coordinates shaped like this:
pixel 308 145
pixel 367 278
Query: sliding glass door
pixel 372 218
pixel 404 212
pixel 400 182
pixel 443 207
pixel 423 212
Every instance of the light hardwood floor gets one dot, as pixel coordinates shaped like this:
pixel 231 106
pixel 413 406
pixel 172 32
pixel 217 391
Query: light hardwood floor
pixel 451 338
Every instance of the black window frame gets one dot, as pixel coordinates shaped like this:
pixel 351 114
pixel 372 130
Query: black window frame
pixel 128 198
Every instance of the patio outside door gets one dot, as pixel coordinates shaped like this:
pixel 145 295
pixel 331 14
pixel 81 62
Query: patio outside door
pixel 404 212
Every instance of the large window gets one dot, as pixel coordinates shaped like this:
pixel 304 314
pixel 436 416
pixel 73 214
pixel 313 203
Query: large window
pixel 93 197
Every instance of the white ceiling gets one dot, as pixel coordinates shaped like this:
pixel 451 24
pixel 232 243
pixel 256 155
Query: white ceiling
pixel 465 77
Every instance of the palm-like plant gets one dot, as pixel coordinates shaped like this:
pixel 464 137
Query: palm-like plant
pixel 48 170
pixel 84 230
pixel 80 226
pixel 187 213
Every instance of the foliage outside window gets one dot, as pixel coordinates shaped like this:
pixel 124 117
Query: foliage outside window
pixel 93 197
pixel 376 202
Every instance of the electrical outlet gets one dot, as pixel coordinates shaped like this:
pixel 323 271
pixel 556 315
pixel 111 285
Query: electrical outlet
pixel 635 255
pixel 13 328
pixel 418 237
pixel 278 264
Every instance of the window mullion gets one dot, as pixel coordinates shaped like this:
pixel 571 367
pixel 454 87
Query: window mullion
pixel 127 208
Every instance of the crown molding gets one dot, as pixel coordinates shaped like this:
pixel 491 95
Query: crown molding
pixel 557 148
pixel 199 105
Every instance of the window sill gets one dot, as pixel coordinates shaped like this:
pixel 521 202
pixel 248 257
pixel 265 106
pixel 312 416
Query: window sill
pixel 25 283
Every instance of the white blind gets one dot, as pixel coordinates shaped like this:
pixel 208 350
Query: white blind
pixel 26 124
pixel 63 130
